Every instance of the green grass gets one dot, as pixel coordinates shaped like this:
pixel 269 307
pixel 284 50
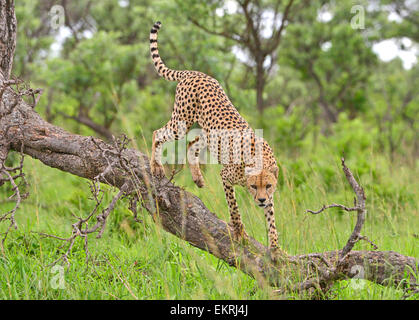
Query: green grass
pixel 142 261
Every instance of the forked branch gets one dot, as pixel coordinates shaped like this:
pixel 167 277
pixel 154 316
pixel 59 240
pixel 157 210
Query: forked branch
pixel 359 206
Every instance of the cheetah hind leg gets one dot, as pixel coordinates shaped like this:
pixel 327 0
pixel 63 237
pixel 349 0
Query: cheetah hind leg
pixel 156 168
pixel 197 175
pixel 173 130
pixel 194 148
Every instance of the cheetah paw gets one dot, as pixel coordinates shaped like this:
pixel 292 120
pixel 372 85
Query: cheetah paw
pixel 277 254
pixel 239 234
pixel 199 182
pixel 197 175
pixel 157 169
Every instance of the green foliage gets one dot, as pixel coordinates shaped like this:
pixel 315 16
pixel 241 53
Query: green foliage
pixel 92 83
pixel 333 56
pixel 140 260
pixel 35 37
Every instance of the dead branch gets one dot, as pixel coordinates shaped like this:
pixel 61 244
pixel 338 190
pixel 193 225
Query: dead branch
pixel 359 206
pixel 326 275
pixel 17 196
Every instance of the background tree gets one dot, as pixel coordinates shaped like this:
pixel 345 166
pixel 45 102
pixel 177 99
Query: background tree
pixel 332 57
pixel 256 27
pixel 405 19
pixel 395 103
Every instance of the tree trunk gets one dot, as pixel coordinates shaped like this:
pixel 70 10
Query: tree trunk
pixel 260 85
pixel 7 36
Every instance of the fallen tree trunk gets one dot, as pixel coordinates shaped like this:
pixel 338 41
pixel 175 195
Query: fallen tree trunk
pixel 179 212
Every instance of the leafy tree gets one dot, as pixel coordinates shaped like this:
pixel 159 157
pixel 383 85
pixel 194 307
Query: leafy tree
pixel 92 85
pixel 333 58
pixel 302 59
pixel 35 36
pixel 405 22
pixel 395 102
pixel 256 27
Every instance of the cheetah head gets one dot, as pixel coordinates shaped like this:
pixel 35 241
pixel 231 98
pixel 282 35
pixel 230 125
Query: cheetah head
pixel 262 184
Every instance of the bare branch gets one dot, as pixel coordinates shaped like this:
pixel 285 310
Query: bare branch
pixel 81 227
pixel 359 191
pixel 88 122
pixel 333 205
pixel 359 207
pixel 17 196
pixel 230 36
pixel 369 241
pixel 276 35
pixel 250 26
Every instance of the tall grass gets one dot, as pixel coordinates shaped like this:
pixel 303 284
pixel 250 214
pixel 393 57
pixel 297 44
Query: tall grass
pixel 142 261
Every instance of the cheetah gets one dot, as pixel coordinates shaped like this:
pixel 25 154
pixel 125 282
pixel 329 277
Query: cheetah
pixel 201 99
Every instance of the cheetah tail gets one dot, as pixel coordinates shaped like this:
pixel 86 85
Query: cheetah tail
pixel 162 70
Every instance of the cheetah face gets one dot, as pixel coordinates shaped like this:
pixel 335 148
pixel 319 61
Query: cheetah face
pixel 261 186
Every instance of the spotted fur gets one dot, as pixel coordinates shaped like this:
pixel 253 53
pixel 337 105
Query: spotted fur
pixel 200 99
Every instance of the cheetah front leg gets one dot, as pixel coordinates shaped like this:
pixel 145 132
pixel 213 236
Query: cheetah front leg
pixel 272 233
pixel 270 219
pixel 235 220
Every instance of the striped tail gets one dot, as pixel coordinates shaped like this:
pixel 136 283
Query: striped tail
pixel 162 70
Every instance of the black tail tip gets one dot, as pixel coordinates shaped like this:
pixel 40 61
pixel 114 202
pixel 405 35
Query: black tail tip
pixel 156 27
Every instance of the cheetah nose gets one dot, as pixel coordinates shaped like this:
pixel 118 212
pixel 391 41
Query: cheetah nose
pixel 261 199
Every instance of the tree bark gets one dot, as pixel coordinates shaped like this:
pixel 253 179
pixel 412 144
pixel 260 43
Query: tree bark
pixel 7 37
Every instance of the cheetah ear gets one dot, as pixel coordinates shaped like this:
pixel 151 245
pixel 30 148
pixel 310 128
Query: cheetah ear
pixel 275 171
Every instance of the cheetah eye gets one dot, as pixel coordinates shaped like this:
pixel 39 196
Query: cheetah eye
pixel 268 186
pixel 254 186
